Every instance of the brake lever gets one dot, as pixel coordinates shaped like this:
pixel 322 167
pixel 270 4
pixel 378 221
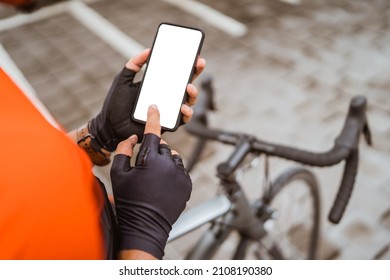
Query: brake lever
pixel 207 86
pixel 367 134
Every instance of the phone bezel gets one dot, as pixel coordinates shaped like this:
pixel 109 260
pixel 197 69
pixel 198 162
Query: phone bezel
pixel 185 95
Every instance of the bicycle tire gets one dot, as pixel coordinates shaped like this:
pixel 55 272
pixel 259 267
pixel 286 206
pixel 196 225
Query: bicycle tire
pixel 291 237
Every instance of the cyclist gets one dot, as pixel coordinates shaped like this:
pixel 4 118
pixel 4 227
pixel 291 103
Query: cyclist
pixel 51 205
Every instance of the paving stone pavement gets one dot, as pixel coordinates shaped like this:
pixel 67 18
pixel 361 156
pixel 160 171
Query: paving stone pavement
pixel 289 80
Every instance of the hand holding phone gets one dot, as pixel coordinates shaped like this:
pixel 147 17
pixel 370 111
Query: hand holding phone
pixel 170 68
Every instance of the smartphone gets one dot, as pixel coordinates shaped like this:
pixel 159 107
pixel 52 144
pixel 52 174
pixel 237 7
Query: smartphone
pixel 170 67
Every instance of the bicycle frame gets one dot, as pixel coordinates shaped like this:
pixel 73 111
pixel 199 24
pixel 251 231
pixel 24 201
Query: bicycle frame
pixel 229 211
pixel 232 211
pixel 200 215
pixel 345 147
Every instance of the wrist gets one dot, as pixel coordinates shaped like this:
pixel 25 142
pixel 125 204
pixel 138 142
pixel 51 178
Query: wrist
pixel 146 232
pixel 99 156
pixel 135 255
pixel 143 241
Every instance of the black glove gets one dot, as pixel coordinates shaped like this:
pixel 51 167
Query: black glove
pixel 150 196
pixel 114 124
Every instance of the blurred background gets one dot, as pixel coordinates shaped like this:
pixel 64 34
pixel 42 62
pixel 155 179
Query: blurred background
pixel 283 70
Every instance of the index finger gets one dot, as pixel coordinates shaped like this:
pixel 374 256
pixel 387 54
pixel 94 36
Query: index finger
pixel 153 121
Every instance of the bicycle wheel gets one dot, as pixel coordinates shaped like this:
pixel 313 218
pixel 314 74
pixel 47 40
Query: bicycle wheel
pixel 294 226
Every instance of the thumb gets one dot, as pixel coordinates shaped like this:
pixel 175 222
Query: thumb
pixel 135 64
pixel 126 147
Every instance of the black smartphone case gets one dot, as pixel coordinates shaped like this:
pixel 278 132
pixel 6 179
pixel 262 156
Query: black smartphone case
pixel 185 96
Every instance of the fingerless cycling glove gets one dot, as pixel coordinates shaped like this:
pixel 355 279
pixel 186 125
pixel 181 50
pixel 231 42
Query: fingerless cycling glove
pixel 150 196
pixel 114 124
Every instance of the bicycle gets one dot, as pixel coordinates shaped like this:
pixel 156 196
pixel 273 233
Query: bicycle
pixel 289 237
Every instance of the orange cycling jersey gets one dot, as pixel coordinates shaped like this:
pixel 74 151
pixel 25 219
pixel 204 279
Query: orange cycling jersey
pixel 16 2
pixel 50 204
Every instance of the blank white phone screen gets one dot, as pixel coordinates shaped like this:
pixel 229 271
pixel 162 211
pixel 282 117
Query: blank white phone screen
pixel 168 71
